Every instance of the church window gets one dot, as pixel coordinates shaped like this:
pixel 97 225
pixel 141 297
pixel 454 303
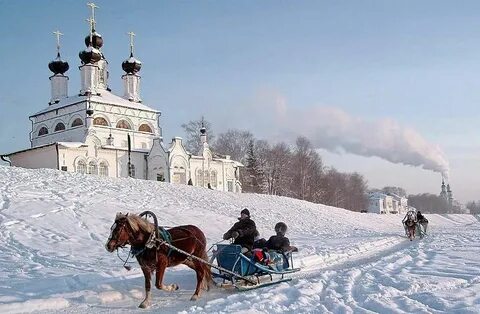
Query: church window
pixel 77 122
pixel 230 186
pixel 122 124
pixel 132 171
pixel 103 169
pixel 145 128
pixel 100 121
pixel 59 127
pixel 81 167
pixel 92 168
pixel 213 178
pixel 43 131
pixel 206 178
pixel 199 178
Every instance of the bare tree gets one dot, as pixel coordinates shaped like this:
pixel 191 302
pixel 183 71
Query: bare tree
pixel 356 192
pixel 234 143
pixel 430 203
pixel 192 134
pixel 277 171
pixel 307 169
pixel 394 190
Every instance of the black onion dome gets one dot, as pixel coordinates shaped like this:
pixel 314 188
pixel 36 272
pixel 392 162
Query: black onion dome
pixel 58 66
pixel 203 130
pixel 90 55
pixel 97 40
pixel 131 65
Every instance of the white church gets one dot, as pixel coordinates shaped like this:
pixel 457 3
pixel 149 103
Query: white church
pixel 99 133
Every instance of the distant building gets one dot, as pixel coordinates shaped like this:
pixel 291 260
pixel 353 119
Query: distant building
pixel 381 203
pixel 400 204
pixel 446 193
pixel 97 132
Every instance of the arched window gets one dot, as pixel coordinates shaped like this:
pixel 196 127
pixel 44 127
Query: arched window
pixel 122 124
pixel 77 122
pixel 43 131
pixel 81 167
pixel 145 128
pixel 199 178
pixel 103 169
pixel 213 178
pixel 92 168
pixel 59 127
pixel 100 121
pixel 206 178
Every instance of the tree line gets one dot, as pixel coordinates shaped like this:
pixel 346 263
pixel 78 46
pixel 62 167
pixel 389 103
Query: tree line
pixel 295 171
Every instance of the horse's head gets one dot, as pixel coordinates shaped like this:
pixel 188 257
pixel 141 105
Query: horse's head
pixel 119 233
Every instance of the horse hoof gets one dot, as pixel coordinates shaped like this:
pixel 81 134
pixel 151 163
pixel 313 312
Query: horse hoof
pixel 194 298
pixel 144 305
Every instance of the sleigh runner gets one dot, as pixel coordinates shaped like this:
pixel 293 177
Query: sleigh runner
pixel 240 267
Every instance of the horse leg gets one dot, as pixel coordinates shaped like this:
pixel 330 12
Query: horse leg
pixel 148 295
pixel 161 266
pixel 198 267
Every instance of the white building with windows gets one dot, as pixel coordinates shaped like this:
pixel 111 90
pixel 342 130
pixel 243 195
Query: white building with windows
pixel 381 203
pixel 90 132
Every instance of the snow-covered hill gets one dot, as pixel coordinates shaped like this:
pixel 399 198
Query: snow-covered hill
pixel 54 225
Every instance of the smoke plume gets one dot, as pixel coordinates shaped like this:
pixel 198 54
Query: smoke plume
pixel 335 130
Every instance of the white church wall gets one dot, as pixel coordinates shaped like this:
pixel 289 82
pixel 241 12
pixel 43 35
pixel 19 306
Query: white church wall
pixel 42 157
pixel 157 160
pixel 69 135
pixel 52 118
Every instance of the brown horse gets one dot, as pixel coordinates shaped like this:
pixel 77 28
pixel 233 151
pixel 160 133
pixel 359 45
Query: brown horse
pixel 136 231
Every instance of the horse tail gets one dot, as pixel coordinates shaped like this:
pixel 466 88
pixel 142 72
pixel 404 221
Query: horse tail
pixel 208 279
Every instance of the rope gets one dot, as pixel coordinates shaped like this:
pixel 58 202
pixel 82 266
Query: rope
pixel 207 263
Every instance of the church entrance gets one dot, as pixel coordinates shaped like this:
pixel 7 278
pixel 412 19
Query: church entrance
pixel 179 177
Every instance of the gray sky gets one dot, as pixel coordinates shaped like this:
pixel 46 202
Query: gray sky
pixel 398 80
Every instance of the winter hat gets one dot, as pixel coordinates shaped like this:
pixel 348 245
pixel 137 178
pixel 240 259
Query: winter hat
pixel 246 212
pixel 281 228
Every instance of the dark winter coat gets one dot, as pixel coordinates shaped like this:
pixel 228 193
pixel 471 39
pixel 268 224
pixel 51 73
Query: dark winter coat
pixel 247 231
pixel 278 243
pixel 421 219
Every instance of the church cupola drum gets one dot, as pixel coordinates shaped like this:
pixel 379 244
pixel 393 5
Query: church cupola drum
pixel 58 80
pixel 131 79
pixel 93 70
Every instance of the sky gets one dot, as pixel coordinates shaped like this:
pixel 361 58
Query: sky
pixel 387 89
pixel 54 227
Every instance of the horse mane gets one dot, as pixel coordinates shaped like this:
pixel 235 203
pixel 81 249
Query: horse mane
pixel 137 223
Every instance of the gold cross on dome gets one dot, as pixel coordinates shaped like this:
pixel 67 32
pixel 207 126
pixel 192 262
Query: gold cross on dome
pixel 131 34
pixel 93 6
pixel 58 34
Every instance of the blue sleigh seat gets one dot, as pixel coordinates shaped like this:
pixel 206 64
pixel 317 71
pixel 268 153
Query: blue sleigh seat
pixel 229 257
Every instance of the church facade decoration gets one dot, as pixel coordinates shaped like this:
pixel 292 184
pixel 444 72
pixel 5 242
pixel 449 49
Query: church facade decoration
pixel 88 133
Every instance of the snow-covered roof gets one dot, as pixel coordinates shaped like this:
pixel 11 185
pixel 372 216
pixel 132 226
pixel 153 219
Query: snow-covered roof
pixel 377 195
pixel 105 97
pixel 71 144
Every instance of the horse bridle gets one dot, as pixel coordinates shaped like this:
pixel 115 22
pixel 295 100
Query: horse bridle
pixel 121 226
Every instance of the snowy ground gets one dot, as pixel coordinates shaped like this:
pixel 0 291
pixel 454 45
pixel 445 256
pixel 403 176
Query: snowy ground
pixel 54 225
